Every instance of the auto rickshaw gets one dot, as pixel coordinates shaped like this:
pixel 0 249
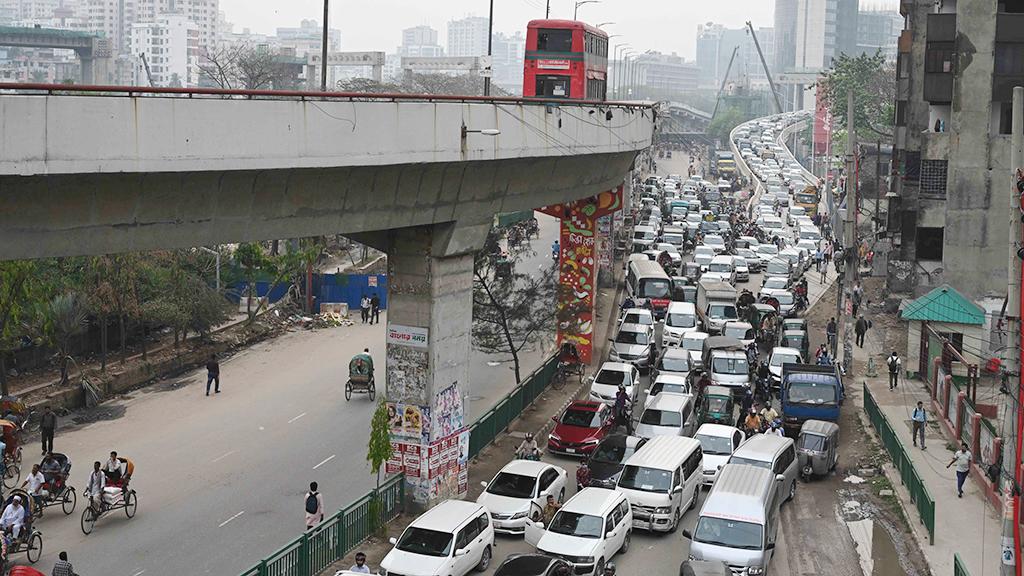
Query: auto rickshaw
pixel 817 448
pixel 765 319
pixel 796 339
pixel 690 270
pixel 360 376
pixel 794 324
pixel 716 406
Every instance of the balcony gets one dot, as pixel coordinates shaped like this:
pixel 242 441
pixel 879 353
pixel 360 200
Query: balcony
pixel 938 87
pixel 941 27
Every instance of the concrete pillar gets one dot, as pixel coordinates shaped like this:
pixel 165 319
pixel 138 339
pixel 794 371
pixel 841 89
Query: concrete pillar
pixel 975 425
pixel 378 73
pixel 311 73
pixel 956 419
pixel 430 313
pixel 88 74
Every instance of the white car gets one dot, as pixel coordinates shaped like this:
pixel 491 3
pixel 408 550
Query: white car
pixel 667 383
pixel 773 284
pixel 680 318
pixel 693 342
pixel 634 344
pixel 703 255
pixel 781 355
pixel 741 268
pixel 750 260
pixel 716 242
pixel 673 252
pixel 741 331
pixel 767 253
pixel 722 267
pixel 606 382
pixel 588 530
pixel 519 491
pixel 641 316
pixel 718 442
pixel 453 538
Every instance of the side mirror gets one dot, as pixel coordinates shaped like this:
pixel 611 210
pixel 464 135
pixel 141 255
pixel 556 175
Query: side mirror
pixel 611 534
pixel 461 552
pixel 770 546
pixel 687 534
pixel 393 541
pixel 677 490
pixel 554 419
pixel 484 484
pixel 647 391
pixel 780 478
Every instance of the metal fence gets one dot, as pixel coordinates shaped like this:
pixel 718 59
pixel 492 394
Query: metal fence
pixel 908 474
pixel 958 566
pixel 336 536
pixel 497 419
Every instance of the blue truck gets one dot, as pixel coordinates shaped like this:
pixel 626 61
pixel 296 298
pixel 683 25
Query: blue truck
pixel 810 392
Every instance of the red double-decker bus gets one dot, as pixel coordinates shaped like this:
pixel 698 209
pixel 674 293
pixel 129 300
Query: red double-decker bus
pixel 565 59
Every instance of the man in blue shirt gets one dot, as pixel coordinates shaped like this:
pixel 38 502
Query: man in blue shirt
pixel 919 417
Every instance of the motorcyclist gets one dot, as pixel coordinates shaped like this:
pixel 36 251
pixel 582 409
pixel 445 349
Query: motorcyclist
pixel 528 449
pixel 609 569
pixel 777 428
pixel 554 250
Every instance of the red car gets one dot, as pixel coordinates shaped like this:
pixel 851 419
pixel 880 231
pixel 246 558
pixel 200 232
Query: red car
pixel 580 427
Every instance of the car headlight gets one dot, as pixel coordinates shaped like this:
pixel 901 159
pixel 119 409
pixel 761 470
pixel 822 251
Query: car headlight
pixel 591 441
pixel 662 510
pixel 519 515
pixel 554 437
pixel 583 559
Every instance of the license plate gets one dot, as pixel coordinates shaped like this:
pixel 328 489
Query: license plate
pixel 570 450
pixel 643 524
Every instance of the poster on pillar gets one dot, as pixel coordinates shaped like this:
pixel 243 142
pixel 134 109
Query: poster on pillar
pixel 408 363
pixel 577 266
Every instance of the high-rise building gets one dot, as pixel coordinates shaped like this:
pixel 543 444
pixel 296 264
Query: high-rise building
pixel 810 33
pixel 878 30
pixel 509 52
pixel 308 38
pixel 467 37
pixel 708 37
pixel 420 41
pixel 715 45
pixel 661 76
pixel 951 148
pixel 203 13
pixel 112 19
pixel 170 44
pixel 785 35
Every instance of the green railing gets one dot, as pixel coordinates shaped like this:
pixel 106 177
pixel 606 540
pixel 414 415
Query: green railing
pixel 958 566
pixel 497 419
pixel 336 536
pixel 908 474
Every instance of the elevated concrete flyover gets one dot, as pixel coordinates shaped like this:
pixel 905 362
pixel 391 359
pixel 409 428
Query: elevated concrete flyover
pixel 95 170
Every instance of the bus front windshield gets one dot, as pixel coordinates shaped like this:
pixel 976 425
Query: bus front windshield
pixel 655 288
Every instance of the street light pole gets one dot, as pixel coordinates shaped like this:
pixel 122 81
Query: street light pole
pixel 618 66
pixel 581 3
pixel 323 52
pixel 490 35
pixel 547 13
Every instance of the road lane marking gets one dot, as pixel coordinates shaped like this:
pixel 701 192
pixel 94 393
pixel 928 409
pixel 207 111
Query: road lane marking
pixel 222 456
pixel 326 460
pixel 297 417
pixel 139 573
pixel 224 523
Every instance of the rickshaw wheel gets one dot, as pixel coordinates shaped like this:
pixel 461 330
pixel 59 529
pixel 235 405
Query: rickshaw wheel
pixel 17 455
pixel 69 498
pixel 131 503
pixel 11 475
pixel 35 544
pixel 88 520
pixel 372 390
pixel 348 390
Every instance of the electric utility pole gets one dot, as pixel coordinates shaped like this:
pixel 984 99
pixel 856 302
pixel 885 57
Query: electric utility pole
pixel 490 36
pixel 850 253
pixel 547 13
pixel 1011 365
pixel 323 52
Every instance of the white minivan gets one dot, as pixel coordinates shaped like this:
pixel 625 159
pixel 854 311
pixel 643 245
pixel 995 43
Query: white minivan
pixel 667 415
pixel 451 539
pixel 680 319
pixel 588 530
pixel 662 481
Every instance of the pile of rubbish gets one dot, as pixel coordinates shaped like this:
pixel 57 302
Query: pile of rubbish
pixel 327 320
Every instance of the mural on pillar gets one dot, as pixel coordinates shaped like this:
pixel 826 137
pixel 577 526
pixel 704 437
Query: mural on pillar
pixel 578 266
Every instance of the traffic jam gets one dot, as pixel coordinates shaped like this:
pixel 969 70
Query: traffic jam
pixel 709 411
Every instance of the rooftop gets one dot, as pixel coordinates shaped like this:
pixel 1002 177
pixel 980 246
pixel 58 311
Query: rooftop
pixel 944 304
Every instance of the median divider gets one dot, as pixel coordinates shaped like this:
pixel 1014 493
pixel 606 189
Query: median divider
pixel 337 535
pixel 909 476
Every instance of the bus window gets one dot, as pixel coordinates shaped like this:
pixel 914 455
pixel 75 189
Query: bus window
pixel 553 86
pixel 554 41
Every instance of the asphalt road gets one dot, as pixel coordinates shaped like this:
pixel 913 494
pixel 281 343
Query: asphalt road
pixel 221 479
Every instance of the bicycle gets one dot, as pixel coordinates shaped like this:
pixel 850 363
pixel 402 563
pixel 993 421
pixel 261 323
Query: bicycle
pixel 564 371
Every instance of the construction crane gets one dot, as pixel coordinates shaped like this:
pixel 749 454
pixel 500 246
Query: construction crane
pixel 145 65
pixel 725 79
pixel 771 84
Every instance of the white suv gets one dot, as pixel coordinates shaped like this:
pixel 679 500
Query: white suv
pixel 451 539
pixel 588 530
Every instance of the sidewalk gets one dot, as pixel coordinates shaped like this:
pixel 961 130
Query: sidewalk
pixel 968 526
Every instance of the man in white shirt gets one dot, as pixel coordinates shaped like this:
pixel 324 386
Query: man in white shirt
pixel 97 482
pixel 113 468
pixel 360 565
pixel 34 481
pixel 962 459
pixel 13 517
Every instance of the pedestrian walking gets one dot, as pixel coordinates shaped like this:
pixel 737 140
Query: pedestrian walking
pixel 364 308
pixel 919 417
pixel 213 374
pixel 894 363
pixel 375 309
pixel 860 329
pixel 314 506
pixel 831 330
pixel 962 458
pixel 857 296
pixel 360 566
pixel 47 426
pixel 63 567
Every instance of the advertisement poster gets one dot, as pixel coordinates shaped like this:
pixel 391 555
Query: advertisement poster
pixel 409 422
pixel 406 458
pixel 407 335
pixel 449 414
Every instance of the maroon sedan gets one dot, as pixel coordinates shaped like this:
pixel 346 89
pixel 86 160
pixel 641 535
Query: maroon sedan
pixel 580 427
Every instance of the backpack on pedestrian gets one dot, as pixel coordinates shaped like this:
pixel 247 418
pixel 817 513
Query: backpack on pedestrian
pixel 311 503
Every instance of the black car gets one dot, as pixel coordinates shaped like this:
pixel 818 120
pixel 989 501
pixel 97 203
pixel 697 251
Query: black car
pixel 608 458
pixel 533 565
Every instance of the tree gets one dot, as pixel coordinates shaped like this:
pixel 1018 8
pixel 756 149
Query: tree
pixel 244 67
pixel 434 84
pixel 61 319
pixel 873 82
pixel 379 451
pixel 99 298
pixel 256 264
pixel 724 122
pixel 510 309
pixel 16 293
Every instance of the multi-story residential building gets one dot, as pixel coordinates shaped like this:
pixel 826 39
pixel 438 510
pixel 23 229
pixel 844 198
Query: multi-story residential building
pixel 509 51
pixel 420 41
pixel 170 44
pixel 308 38
pixel 467 37
pixel 112 19
pixel 708 41
pixel 957 64
pixel 659 76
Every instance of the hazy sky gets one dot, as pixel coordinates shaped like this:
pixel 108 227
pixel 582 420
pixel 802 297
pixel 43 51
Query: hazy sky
pixel 663 25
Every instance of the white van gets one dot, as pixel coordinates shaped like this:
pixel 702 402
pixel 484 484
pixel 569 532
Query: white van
pixel 643 237
pixel 739 521
pixel 662 481
pixel 588 530
pixel 723 268
pixel 667 415
pixel 777 454
pixel 453 538
pixel 680 319
pixel 647 280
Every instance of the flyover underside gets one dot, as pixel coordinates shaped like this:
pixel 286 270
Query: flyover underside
pixel 89 214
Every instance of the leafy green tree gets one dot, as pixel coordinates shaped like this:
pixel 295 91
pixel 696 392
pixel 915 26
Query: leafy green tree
pixel 724 122
pixel 256 264
pixel 60 319
pixel 873 82
pixel 17 288
pixel 378 452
